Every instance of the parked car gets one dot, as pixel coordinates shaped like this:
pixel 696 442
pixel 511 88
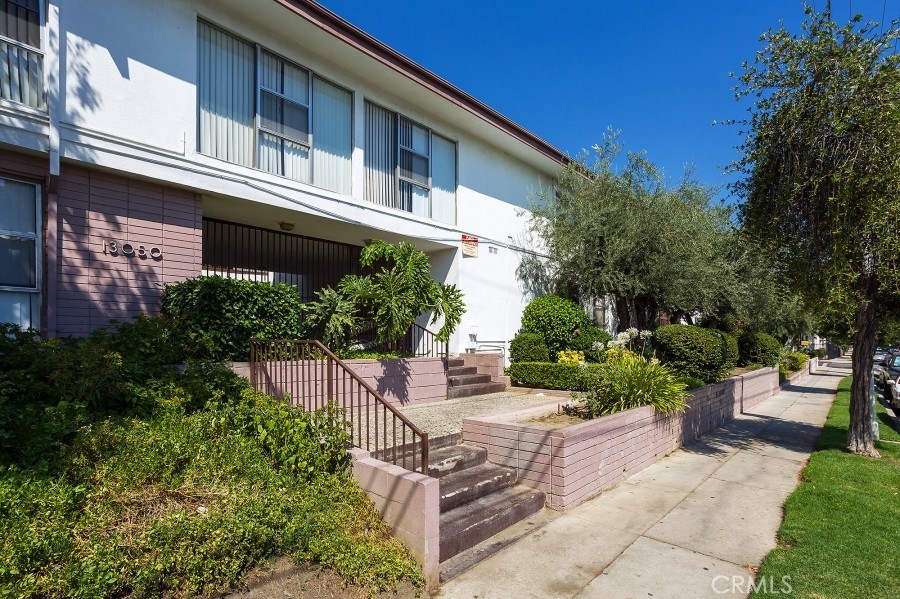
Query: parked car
pixel 888 376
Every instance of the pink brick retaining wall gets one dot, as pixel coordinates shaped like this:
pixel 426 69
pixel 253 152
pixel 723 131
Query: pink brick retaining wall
pixel 574 463
pixel 409 502
pixel 94 207
pixel 487 363
pixel 401 382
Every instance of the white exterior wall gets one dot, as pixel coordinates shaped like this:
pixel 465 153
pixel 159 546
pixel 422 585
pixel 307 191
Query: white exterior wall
pixel 127 101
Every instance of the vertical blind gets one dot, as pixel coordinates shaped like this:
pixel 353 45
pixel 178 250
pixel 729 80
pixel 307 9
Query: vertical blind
pixel 443 180
pixel 19 231
pixel 332 110
pixel 379 155
pixel 21 68
pixel 226 89
pixel 304 128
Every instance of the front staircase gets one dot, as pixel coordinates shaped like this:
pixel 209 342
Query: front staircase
pixel 464 381
pixel 478 499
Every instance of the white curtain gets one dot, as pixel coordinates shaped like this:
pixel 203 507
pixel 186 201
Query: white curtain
pixel 443 180
pixel 18 207
pixel 226 89
pixel 379 155
pixel 332 142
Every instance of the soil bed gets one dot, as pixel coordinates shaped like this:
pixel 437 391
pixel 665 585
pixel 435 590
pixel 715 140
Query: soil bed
pixel 286 580
pixel 554 421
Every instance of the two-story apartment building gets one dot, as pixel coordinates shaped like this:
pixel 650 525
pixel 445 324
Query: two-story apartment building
pixel 145 142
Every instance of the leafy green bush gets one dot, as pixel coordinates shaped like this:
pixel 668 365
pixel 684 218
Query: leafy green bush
pixel 692 351
pixel 117 483
pixel 590 340
pixel 730 351
pixel 556 320
pixel 691 382
pixel 629 381
pixel 549 375
pixel 528 347
pixel 759 347
pixel 794 361
pixel 231 312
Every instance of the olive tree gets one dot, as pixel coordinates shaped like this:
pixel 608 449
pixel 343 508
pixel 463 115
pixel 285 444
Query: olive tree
pixel 821 174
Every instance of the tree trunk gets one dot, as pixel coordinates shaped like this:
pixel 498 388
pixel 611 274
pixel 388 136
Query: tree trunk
pixel 859 435
pixel 623 314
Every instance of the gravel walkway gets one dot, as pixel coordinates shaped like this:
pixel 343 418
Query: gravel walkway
pixel 445 417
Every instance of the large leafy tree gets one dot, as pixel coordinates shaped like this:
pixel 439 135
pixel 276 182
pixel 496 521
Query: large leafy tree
pixel 821 184
pixel 628 234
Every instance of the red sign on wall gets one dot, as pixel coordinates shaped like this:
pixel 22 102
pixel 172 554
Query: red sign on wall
pixel 470 246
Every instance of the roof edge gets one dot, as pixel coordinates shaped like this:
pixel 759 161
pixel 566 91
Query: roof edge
pixel 333 24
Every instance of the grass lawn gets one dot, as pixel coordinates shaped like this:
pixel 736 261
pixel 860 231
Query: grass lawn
pixel 841 532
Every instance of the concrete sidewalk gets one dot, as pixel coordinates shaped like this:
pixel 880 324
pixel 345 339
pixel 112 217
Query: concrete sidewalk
pixel 690 525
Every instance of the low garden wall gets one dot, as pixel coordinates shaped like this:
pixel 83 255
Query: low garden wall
pixel 490 364
pixel 574 463
pixel 410 504
pixel 403 381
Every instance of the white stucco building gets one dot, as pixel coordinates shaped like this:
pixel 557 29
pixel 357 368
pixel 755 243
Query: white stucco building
pixel 145 142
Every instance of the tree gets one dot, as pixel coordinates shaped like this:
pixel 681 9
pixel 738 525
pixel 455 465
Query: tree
pixel 821 184
pixel 629 235
pixel 397 291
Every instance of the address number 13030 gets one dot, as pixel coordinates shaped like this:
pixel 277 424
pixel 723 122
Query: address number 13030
pixel 115 248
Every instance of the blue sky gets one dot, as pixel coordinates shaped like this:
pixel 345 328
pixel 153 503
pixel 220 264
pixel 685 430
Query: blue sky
pixel 657 70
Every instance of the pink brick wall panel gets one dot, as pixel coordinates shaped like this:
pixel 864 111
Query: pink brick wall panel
pixel 94 207
pixel 589 457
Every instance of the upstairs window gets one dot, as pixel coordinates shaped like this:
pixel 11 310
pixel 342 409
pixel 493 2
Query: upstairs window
pixel 408 166
pixel 260 110
pixel 21 59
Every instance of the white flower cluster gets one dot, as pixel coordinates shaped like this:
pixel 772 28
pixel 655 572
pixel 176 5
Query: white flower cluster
pixel 624 338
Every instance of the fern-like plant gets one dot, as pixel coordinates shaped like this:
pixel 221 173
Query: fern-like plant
pixel 630 381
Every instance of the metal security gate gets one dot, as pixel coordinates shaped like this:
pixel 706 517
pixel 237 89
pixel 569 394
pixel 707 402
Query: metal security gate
pixel 245 252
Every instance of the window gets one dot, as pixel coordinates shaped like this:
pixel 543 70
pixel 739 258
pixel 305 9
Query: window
pixel 408 166
pixel 19 253
pixel 21 59
pixel 258 109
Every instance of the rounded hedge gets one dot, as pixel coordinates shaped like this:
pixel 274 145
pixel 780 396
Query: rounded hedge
pixel 555 319
pixel 528 347
pixel 730 350
pixel 759 348
pixel 692 351
pixel 231 312
pixel 584 341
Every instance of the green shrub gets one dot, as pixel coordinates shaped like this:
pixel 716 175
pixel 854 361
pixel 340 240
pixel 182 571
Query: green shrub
pixel 631 381
pixel 528 347
pixel 692 351
pixel 591 340
pixel 556 320
pixel 231 312
pixel 691 382
pixel 730 352
pixel 794 361
pixel 179 498
pixel 759 347
pixel 549 375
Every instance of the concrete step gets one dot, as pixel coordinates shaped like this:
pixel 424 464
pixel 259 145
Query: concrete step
pixel 469 524
pixel 458 380
pixel 461 370
pixel 473 483
pixel 448 460
pixel 473 390
pixel 454 362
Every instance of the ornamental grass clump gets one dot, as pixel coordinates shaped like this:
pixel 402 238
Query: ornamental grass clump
pixel 630 381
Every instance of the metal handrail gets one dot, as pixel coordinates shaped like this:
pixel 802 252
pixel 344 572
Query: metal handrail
pixel 293 367
pixel 418 341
